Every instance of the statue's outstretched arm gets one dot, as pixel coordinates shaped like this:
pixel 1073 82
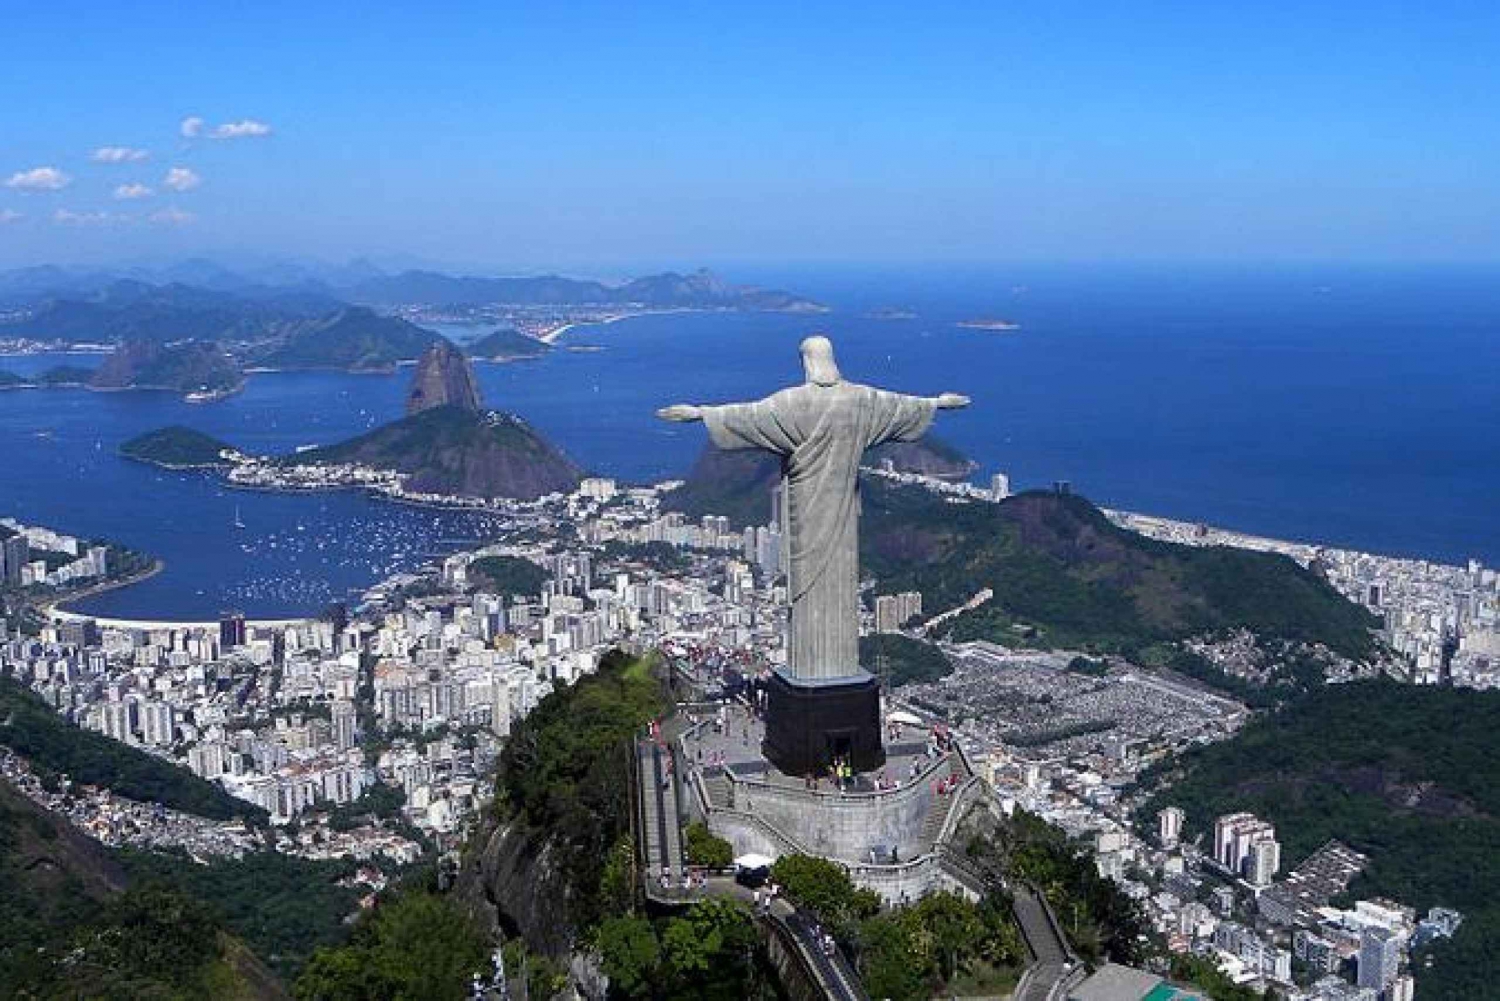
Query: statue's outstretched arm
pixel 681 412
pixel 951 401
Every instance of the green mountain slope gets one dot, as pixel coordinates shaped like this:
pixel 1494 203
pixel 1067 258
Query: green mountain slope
pixel 33 730
pixel 70 927
pixel 450 450
pixel 1064 576
pixel 507 345
pixel 353 338
pixel 184 367
pixel 176 447
pixel 1408 775
pixel 738 483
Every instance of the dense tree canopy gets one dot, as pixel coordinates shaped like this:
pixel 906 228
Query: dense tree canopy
pixel 35 731
pixel 1408 775
pixel 418 945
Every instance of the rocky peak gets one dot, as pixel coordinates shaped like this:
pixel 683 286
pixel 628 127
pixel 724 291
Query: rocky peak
pixel 443 379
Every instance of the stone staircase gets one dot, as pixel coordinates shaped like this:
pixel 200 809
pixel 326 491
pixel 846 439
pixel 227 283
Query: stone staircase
pixel 651 825
pixel 717 787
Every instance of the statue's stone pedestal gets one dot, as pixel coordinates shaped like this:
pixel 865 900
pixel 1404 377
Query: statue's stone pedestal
pixel 809 724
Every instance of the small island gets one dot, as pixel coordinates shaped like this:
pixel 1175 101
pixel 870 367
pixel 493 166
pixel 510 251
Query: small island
pixel 179 447
pixel 891 313
pixel 57 377
pixel 201 368
pixel 988 323
pixel 507 344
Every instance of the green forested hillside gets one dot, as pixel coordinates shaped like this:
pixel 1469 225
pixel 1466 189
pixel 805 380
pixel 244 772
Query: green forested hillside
pixel 560 771
pixel 70 927
pixel 450 450
pixel 902 659
pixel 175 447
pixel 352 338
pixel 1064 576
pixel 53 745
pixel 184 367
pixel 505 345
pixel 1408 775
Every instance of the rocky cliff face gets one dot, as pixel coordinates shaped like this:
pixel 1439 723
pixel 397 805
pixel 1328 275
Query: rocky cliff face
pixel 443 379
pixel 513 882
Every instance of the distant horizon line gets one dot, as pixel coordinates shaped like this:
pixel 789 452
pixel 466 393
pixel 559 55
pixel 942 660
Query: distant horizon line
pixel 605 269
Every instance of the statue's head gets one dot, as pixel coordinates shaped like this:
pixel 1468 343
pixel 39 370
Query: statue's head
pixel 818 363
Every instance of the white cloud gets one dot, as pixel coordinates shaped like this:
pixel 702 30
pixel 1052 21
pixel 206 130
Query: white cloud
pixel 39 179
pixel 245 128
pixel 9 215
pixel 173 216
pixel 70 218
pixel 118 154
pixel 127 192
pixel 182 179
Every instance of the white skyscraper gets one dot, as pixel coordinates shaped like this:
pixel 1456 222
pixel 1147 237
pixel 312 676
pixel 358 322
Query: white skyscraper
pixel 157 723
pixel 1263 862
pixel 1169 826
pixel 1237 837
pixel 343 719
pixel 999 487
pixel 500 707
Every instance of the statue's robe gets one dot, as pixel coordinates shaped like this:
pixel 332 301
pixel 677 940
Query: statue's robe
pixel 821 433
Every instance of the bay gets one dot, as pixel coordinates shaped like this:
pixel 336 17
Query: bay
pixel 1352 407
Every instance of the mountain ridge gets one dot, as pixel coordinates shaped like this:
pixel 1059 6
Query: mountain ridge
pixel 453 451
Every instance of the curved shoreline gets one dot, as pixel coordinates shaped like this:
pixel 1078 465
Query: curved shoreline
pixel 58 607
pixel 58 612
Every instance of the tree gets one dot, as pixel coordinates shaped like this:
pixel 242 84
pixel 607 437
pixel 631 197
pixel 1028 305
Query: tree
pixel 706 848
pixel 890 966
pixel 707 950
pixel 630 952
pixel 824 888
pixel 951 926
pixel 417 946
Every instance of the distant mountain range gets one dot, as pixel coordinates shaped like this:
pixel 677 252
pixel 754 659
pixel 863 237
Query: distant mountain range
pixel 203 287
pixel 296 319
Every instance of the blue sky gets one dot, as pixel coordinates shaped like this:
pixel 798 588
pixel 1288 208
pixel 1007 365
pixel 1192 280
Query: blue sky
pixel 622 135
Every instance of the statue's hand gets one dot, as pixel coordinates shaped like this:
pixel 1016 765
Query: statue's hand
pixel 952 401
pixel 680 412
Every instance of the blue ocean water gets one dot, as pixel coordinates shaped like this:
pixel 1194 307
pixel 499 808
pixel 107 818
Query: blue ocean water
pixel 1357 408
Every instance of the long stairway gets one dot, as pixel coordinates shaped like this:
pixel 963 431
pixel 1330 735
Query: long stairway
pixel 651 826
pixel 661 835
pixel 937 809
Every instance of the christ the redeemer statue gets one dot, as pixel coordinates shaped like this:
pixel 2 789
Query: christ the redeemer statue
pixel 820 430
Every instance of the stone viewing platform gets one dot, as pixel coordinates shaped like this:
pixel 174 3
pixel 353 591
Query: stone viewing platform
pixel 890 827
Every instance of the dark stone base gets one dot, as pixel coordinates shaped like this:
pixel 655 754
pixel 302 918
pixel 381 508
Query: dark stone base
pixel 807 726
